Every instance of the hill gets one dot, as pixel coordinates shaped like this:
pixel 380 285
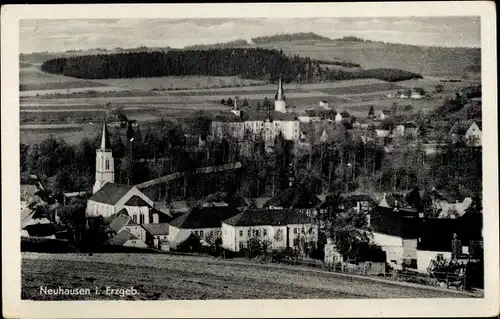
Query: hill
pixel 289 37
pixel 250 63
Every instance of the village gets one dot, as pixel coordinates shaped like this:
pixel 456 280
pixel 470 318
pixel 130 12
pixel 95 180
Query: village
pixel 423 233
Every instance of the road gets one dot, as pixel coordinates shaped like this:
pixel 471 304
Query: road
pixel 188 277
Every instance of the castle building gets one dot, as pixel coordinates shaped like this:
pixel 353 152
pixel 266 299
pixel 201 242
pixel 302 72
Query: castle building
pixel 268 124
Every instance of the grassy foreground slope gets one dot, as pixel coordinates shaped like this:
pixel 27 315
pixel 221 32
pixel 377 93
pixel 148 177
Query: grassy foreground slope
pixel 161 277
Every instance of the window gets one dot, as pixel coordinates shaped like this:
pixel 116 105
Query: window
pixel 142 219
pixel 241 245
pixel 241 233
pixel 201 233
pixel 107 163
pixel 296 242
pixel 196 233
pixel 249 233
pixel 265 232
pixel 134 218
pixel 295 230
pixel 257 233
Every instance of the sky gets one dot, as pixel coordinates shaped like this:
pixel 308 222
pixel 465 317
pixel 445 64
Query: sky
pixel 61 35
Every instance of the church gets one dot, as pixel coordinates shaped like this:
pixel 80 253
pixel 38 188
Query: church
pixel 110 198
pixel 267 124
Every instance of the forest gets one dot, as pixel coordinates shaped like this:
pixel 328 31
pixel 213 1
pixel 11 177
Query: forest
pixel 251 63
pixel 288 37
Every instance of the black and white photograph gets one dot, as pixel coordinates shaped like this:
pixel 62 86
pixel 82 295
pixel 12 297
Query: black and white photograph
pixel 247 155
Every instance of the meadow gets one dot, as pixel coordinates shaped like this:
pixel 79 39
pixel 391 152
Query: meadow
pixel 167 277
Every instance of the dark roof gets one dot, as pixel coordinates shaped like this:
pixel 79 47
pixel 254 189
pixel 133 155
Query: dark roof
pixel 136 201
pixel 110 193
pixel 411 125
pixel 393 198
pixel 108 220
pixel 402 223
pixel 204 217
pixel 360 198
pixel 294 197
pixel 118 223
pixel 273 217
pixel 121 238
pixel 157 229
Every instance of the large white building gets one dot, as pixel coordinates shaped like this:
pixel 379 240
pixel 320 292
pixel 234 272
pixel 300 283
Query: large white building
pixel 281 228
pixel 267 124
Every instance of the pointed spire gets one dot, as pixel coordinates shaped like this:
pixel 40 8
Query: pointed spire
pixel 105 142
pixel 235 103
pixel 280 93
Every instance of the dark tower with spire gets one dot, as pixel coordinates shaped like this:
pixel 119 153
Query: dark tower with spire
pixel 104 165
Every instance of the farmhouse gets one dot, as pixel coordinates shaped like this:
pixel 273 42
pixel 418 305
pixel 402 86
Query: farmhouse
pixel 279 228
pixel 267 124
pixel 468 132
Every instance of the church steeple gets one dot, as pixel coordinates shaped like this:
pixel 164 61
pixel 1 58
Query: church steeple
pixel 105 142
pixel 279 98
pixel 104 164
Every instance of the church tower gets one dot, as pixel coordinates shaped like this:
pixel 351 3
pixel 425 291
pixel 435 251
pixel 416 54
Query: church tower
pixel 279 98
pixel 104 163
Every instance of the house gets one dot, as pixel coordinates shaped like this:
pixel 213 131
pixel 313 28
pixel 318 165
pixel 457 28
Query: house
pixel 124 238
pixel 383 114
pixel 449 238
pixel 473 135
pixel 382 133
pixel 360 202
pixel 304 117
pixel 447 205
pixel 399 130
pixel 338 118
pixel 296 196
pixel 202 222
pixel 467 131
pixel 411 129
pixel 392 201
pixel 159 232
pixel 396 232
pixel 279 228
pixel 34 223
pixel 323 104
pixel 113 197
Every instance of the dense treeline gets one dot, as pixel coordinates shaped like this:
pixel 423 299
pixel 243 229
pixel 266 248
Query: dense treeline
pixel 261 64
pixel 288 37
pixel 229 44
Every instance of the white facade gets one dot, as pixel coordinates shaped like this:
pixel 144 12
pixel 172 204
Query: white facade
pixel 103 209
pixel 338 118
pixel 235 238
pixel 135 243
pixel 290 129
pixel 473 136
pixel 392 245
pixel 382 133
pixel 136 230
pixel 139 214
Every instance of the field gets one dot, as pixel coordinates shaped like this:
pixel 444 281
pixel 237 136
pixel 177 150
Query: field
pixel 162 277
pixel 431 61
pixel 48 101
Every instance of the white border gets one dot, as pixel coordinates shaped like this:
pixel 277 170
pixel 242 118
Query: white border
pixel 14 307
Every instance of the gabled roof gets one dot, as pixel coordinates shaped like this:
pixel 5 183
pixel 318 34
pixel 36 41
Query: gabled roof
pixel 156 229
pixel 136 201
pixel 110 193
pixel 360 198
pixel 204 217
pixel 121 238
pixel 294 197
pixel 280 93
pixel 120 221
pixel 269 217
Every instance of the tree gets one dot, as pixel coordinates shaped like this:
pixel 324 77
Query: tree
pixel 245 103
pixel 229 102
pixel 223 101
pixel 349 230
pixel 266 105
pixel 258 106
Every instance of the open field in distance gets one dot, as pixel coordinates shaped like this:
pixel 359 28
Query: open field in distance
pixel 161 277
